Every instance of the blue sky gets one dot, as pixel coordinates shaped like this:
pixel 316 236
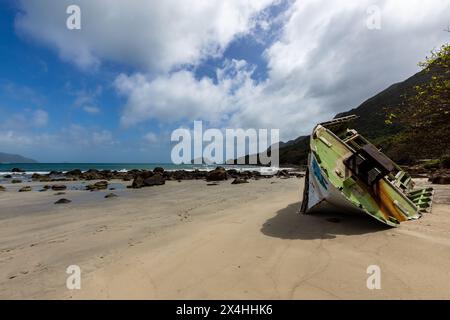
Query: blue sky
pixel 114 90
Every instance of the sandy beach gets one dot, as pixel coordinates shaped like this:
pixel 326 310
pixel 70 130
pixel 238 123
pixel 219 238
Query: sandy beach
pixel 191 240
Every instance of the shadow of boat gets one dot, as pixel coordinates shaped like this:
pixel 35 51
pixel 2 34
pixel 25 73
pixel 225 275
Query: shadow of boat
pixel 289 224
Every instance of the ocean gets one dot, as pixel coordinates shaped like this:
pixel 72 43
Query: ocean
pixel 44 168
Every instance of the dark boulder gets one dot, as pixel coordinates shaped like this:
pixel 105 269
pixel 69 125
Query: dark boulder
pixel 16 181
pixel 36 176
pixel 111 195
pixel 138 182
pixel 233 173
pixel 45 178
pixel 92 174
pixel 217 174
pixel 100 185
pixel 140 177
pixel 156 180
pixel 158 170
pixel 239 181
pixel 59 187
pixel 25 189
pixel 17 170
pixel 440 179
pixel 2 188
pixel 63 201
pixel 74 173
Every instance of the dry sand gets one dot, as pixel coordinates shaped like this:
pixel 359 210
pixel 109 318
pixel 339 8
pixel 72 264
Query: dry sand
pixel 192 241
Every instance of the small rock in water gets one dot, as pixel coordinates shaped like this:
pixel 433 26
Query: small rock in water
pixel 59 193
pixel 58 187
pixel 101 185
pixel 2 188
pixel 111 195
pixel 16 181
pixel 25 189
pixel 62 201
pixel 17 170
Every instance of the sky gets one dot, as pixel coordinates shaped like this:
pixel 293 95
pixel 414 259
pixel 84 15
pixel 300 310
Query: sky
pixel 114 90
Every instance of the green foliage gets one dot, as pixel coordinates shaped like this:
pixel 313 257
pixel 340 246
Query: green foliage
pixel 445 161
pixel 432 164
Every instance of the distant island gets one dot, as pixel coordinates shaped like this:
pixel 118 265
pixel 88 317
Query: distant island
pixel 14 158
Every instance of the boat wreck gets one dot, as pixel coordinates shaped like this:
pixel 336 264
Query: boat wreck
pixel 347 173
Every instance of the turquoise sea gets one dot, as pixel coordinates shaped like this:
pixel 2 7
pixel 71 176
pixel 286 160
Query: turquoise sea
pixel 62 167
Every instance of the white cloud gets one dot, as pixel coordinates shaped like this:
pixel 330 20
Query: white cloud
pixel 91 109
pixel 26 120
pixel 79 135
pixel 326 61
pixel 68 137
pixel 102 138
pixel 11 138
pixel 87 99
pixel 40 118
pixel 151 138
pixel 155 35
pixel 178 96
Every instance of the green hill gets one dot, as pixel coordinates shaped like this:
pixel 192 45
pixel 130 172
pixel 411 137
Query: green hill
pixel 14 158
pixel 409 120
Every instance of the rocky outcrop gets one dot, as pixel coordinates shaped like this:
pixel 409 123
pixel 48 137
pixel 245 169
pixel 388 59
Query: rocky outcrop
pixel 138 182
pixel 217 174
pixel 100 185
pixel 158 170
pixel 156 180
pixel 74 173
pixel 2 188
pixel 148 179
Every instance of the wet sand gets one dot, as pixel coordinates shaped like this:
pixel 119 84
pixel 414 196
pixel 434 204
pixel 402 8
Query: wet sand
pixel 189 240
